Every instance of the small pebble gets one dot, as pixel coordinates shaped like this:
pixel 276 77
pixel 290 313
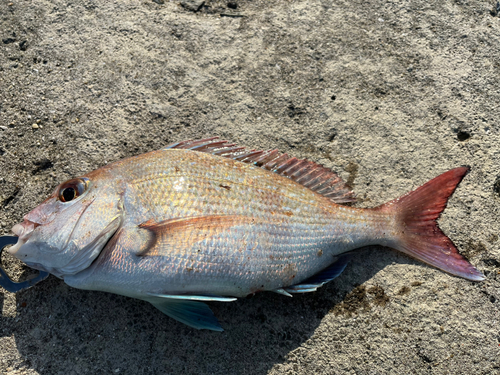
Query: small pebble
pixel 35 126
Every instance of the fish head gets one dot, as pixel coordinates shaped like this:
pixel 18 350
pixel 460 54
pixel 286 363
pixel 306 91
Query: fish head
pixel 66 232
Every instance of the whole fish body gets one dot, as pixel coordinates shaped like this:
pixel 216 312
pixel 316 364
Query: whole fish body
pixel 206 221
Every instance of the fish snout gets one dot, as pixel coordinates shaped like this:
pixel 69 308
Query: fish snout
pixel 23 231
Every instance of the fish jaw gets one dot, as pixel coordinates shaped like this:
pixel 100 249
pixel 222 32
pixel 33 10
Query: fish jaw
pixel 23 232
pixel 24 249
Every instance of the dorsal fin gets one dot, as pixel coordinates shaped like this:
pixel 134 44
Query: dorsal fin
pixel 307 173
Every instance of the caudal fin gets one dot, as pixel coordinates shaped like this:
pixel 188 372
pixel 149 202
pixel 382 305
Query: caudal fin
pixel 419 235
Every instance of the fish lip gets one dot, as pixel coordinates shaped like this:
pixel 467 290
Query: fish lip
pixel 23 231
pixel 18 230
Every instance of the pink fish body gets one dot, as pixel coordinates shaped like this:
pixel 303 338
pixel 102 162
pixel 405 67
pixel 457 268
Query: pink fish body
pixel 205 221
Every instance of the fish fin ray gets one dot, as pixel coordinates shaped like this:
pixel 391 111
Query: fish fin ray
pixel 187 231
pixel 418 234
pixel 192 313
pixel 202 298
pixel 328 274
pixel 307 173
pixel 282 292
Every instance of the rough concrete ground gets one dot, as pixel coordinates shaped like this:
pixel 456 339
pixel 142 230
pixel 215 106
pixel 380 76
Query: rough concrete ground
pixel 389 94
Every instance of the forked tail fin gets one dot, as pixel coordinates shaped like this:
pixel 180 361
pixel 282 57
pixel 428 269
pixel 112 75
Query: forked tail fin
pixel 418 233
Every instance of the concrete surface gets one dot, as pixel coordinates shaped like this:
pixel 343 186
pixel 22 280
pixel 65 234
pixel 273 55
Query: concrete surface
pixel 389 94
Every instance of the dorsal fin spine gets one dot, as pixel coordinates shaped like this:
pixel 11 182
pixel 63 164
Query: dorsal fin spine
pixel 275 164
pixel 271 154
pixel 307 173
pixel 287 165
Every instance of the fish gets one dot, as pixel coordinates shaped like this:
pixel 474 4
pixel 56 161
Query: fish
pixel 206 220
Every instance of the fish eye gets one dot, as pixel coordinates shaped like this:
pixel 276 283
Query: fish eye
pixel 72 189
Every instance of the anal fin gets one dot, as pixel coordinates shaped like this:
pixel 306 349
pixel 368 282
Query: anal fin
pixel 201 298
pixel 282 292
pixel 328 274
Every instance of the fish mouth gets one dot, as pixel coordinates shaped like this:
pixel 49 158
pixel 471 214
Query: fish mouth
pixel 23 231
pixel 82 258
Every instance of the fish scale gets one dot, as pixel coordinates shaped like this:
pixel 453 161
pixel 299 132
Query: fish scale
pixel 294 225
pixel 209 221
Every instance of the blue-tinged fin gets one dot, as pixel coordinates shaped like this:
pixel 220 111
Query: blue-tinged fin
pixel 192 313
pixel 321 278
pixel 194 298
pixel 282 291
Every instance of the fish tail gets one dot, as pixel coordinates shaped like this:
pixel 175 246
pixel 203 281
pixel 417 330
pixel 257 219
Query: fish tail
pixel 417 231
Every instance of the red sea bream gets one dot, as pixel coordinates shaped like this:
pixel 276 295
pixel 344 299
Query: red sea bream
pixel 206 221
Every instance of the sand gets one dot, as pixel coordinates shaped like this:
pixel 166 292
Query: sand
pixel 389 94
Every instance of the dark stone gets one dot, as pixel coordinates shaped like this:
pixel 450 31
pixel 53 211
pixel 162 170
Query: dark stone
pixel 192 5
pixel 492 262
pixel 23 46
pixel 11 197
pixel 42 165
pixel 495 10
pixel 379 92
pixel 8 40
pixel 332 135
pixel 161 2
pixel 441 115
pixel 294 111
pixel 496 186
pixel 463 135
pixel 232 5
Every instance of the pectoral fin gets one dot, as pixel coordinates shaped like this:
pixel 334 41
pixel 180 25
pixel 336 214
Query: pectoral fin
pixel 195 314
pixel 184 232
